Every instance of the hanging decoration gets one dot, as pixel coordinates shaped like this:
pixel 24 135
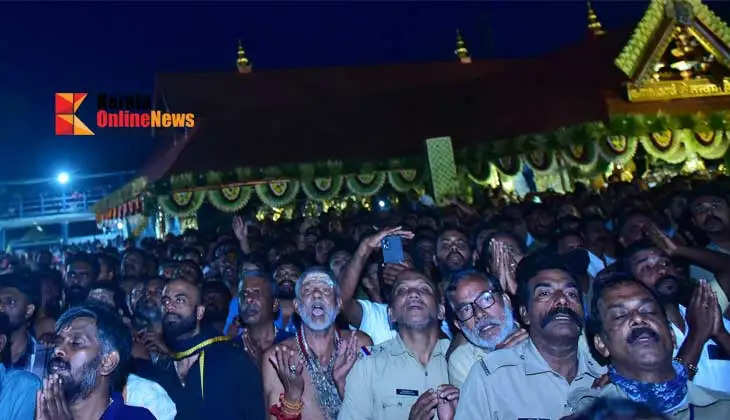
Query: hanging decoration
pixel 181 204
pixel 278 193
pixel 708 144
pixel 661 144
pixel 509 166
pixel 405 180
pixel 618 149
pixel 541 161
pixel 583 156
pixel 477 166
pixel 321 189
pixel 230 199
pixel 365 185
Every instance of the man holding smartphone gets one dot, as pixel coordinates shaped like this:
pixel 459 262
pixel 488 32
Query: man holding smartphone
pixel 369 317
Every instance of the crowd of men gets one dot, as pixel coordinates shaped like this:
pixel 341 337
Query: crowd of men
pixel 588 305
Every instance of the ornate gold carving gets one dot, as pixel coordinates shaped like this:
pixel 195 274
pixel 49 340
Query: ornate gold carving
pixel 409 174
pixel 231 193
pixel 182 198
pixel 675 89
pixel 323 184
pixel 279 187
pixel 366 178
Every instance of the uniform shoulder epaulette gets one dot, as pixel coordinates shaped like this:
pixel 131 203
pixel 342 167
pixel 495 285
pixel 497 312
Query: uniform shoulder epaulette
pixel 484 367
pixel 502 358
pixel 366 351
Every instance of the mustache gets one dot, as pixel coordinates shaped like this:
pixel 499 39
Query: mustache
pixel 318 303
pixel 637 332
pixel 561 310
pixel 486 322
pixel 56 364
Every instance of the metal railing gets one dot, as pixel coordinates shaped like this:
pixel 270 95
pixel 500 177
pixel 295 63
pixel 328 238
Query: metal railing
pixel 46 204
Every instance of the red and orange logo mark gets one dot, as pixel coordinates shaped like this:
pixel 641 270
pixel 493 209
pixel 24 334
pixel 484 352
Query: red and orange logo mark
pixel 67 123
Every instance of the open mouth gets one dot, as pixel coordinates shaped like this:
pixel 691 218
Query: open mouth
pixel 486 329
pixel 415 306
pixel 562 317
pixel 318 309
pixel 643 336
pixel 56 366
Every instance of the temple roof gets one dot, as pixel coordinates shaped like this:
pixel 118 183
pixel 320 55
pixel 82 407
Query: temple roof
pixel 377 112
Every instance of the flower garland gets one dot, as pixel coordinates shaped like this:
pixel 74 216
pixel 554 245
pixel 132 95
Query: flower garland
pixel 366 184
pixel 709 144
pixel 662 144
pixel 541 161
pixel 230 199
pixel 619 149
pixel 278 193
pixel 181 204
pixel 405 180
pixel 321 189
pixel 509 166
pixel 584 156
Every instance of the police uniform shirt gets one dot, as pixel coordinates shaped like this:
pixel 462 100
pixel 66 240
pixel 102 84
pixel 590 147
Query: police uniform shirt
pixel 461 361
pixel 701 403
pixel 387 383
pixel 517 383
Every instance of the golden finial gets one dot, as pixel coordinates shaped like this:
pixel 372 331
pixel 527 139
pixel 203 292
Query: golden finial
pixel 242 62
pixel 593 24
pixel 461 50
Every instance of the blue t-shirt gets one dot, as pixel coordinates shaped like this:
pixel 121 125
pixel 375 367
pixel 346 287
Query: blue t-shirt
pixel 17 393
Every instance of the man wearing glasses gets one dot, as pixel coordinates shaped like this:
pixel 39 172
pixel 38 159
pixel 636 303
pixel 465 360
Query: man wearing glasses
pixel 484 314
pixel 710 214
pixel 535 378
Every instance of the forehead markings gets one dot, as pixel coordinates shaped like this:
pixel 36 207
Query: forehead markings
pixel 318 278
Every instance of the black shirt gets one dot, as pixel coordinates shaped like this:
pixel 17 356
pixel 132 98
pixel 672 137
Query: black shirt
pixel 232 386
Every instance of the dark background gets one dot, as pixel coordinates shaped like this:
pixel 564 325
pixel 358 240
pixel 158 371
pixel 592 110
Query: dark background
pixel 119 47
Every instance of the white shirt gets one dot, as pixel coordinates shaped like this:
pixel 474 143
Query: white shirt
pixel 711 373
pixel 697 273
pixel 141 392
pixel 376 324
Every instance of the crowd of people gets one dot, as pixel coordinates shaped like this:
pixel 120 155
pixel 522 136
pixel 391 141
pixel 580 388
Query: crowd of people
pixel 588 305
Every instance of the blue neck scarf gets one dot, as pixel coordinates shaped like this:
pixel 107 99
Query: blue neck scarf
pixel 661 396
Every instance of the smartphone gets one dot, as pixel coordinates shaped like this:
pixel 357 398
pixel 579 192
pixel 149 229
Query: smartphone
pixel 392 249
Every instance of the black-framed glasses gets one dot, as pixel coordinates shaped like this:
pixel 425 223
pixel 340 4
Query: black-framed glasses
pixel 483 301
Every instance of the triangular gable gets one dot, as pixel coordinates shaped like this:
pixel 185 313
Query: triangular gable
pixel 680 49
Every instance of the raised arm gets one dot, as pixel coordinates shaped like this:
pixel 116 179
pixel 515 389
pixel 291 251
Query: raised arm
pixel 701 324
pixel 240 228
pixel 353 271
pixel 716 262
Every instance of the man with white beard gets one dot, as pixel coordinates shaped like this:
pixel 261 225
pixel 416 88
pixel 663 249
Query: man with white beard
pixel 483 313
pixel 305 375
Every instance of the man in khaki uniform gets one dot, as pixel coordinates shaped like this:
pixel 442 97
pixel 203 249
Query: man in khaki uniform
pixel 533 379
pixel 484 315
pixel 407 376
pixel 632 331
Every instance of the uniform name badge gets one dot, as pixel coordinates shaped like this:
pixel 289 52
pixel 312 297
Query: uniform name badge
pixel 407 392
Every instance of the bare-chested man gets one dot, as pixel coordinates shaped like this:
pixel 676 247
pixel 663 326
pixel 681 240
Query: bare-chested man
pixel 306 374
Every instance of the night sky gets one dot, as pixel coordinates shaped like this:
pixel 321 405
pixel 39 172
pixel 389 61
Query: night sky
pixel 118 48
